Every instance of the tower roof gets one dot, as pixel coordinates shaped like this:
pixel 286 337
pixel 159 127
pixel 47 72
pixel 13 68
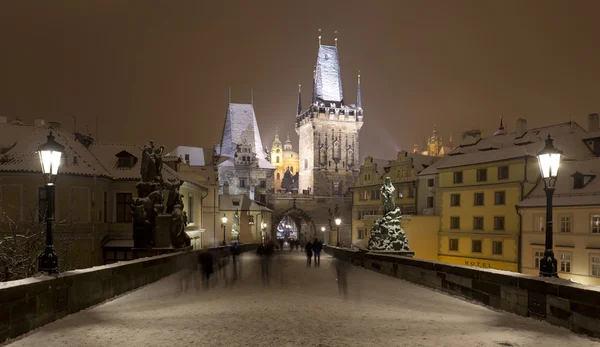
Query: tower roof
pixel 241 128
pixel 328 80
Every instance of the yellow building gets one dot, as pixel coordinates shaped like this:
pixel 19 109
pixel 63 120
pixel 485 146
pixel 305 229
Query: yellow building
pixel 576 223
pixel 284 159
pixel 366 206
pixel 481 183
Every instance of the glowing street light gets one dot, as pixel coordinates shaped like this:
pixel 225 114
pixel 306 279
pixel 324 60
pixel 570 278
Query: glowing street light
pixel 549 160
pixel 224 221
pixel 50 154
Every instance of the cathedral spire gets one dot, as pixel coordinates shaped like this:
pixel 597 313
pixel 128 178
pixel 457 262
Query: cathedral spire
pixel 276 134
pixel 299 99
pixel 319 37
pixel 358 98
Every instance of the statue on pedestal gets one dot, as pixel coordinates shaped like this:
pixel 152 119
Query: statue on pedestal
pixel 387 233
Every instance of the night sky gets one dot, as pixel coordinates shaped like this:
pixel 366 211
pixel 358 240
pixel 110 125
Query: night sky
pixel 160 69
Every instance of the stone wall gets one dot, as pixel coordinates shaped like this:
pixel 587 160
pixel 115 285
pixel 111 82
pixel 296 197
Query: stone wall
pixel 557 301
pixel 33 302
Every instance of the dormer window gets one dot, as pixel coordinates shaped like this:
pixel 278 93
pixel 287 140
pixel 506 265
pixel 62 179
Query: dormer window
pixel 580 180
pixel 125 160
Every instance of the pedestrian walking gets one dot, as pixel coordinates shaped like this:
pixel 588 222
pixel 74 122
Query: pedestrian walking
pixel 309 253
pixel 317 247
pixel 206 261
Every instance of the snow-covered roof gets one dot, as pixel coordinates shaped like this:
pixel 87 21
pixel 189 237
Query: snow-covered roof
pixel 328 82
pixel 240 203
pixel 198 156
pixel 566 194
pixel 433 168
pixel 241 128
pixel 421 162
pixel 23 155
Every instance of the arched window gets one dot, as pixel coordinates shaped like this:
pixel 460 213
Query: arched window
pixel 350 158
pixel 277 159
pixel 337 154
pixel 278 176
pixel 323 158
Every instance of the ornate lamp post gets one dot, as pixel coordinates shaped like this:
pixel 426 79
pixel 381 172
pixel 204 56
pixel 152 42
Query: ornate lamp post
pixel 50 154
pixel 549 160
pixel 224 224
pixel 263 229
pixel 338 221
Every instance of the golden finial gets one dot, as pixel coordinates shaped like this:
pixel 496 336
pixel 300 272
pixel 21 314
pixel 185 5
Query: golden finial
pixel 319 37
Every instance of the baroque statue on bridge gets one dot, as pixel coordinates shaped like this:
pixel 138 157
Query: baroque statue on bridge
pixel 387 233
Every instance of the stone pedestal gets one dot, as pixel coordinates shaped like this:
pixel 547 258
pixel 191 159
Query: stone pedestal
pixel 162 235
pixel 143 235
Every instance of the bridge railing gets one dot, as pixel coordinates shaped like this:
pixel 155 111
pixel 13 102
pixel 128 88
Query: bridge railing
pixel 29 303
pixel 557 301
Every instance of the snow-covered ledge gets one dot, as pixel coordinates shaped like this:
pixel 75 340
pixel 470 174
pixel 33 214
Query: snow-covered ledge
pixel 558 301
pixel 32 302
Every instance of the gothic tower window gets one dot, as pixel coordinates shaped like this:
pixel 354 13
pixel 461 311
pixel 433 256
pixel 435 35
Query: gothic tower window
pixel 350 158
pixel 323 157
pixel 277 160
pixel 337 150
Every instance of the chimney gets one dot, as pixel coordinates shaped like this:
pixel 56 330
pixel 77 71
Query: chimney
pixel 39 123
pixel 226 188
pixel 593 122
pixel 521 127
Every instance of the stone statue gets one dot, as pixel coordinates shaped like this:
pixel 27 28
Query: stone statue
pixel 235 226
pixel 387 233
pixel 387 196
pixel 148 165
pixel 179 238
pixel 158 160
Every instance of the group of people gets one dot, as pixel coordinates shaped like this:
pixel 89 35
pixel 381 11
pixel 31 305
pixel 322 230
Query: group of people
pixel 313 249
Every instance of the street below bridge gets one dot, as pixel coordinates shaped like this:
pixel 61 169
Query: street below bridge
pixel 299 307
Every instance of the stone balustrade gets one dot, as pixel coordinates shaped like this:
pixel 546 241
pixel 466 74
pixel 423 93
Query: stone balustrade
pixel 32 302
pixel 557 301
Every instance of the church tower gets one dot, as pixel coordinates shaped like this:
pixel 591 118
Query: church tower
pixel 328 130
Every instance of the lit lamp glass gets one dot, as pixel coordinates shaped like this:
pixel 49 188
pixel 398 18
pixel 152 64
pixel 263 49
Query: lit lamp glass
pixel 549 160
pixel 224 219
pixel 338 221
pixel 323 229
pixel 50 154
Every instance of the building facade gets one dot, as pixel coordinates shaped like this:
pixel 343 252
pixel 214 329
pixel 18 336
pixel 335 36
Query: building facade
pixel 576 223
pixel 286 162
pixel 481 183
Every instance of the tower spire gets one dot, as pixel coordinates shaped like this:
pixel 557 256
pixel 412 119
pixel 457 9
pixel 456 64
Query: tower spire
pixel 299 99
pixel 252 96
pixel 319 37
pixel 336 39
pixel 358 97
pixel 501 124
pixel 276 134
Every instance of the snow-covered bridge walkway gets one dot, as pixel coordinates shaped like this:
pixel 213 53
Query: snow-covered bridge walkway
pixel 300 308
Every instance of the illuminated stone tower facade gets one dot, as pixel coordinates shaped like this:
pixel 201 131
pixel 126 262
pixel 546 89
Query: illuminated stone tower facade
pixel 328 131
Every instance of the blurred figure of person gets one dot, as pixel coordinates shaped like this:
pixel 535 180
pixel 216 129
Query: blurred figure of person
pixel 317 247
pixel 341 270
pixel 309 253
pixel 235 252
pixel 206 261
pixel 266 253
pixel 188 274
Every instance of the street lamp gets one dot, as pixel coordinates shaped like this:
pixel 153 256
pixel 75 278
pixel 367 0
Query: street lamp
pixel 549 160
pixel 263 231
pixel 323 229
pixel 224 221
pixel 338 221
pixel 50 154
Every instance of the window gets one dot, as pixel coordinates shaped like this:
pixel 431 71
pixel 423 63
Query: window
pixel 263 184
pixel 361 233
pixel 595 220
pixel 455 200
pixel 498 223
pixel 263 198
pixel 595 265
pixel 278 176
pixel 458 177
pixel 400 195
pixel 430 202
pixel 42 203
pixel 375 194
pixel 502 172
pixel 242 183
pixel 537 258
pixel 478 199
pixel 481 175
pixel 539 222
pixel 565 224
pixel 476 246
pixel 564 262
pixel 402 173
pixel 497 247
pixel 187 158
pixel 430 182
pixel 454 222
pixel 499 198
pixel 306 164
pixel 453 245
pixel 477 223
pixel 366 177
pixel 190 212
pixel 277 159
pixel 336 189
pixel 411 191
pixel 124 207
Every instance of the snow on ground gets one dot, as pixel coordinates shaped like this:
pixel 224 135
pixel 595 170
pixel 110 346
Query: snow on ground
pixel 301 307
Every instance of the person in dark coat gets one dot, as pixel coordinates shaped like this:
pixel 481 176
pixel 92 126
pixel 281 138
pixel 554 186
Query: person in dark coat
pixel 309 253
pixel 317 247
pixel 207 267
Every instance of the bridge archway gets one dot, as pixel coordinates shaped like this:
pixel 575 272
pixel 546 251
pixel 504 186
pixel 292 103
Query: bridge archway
pixel 301 218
